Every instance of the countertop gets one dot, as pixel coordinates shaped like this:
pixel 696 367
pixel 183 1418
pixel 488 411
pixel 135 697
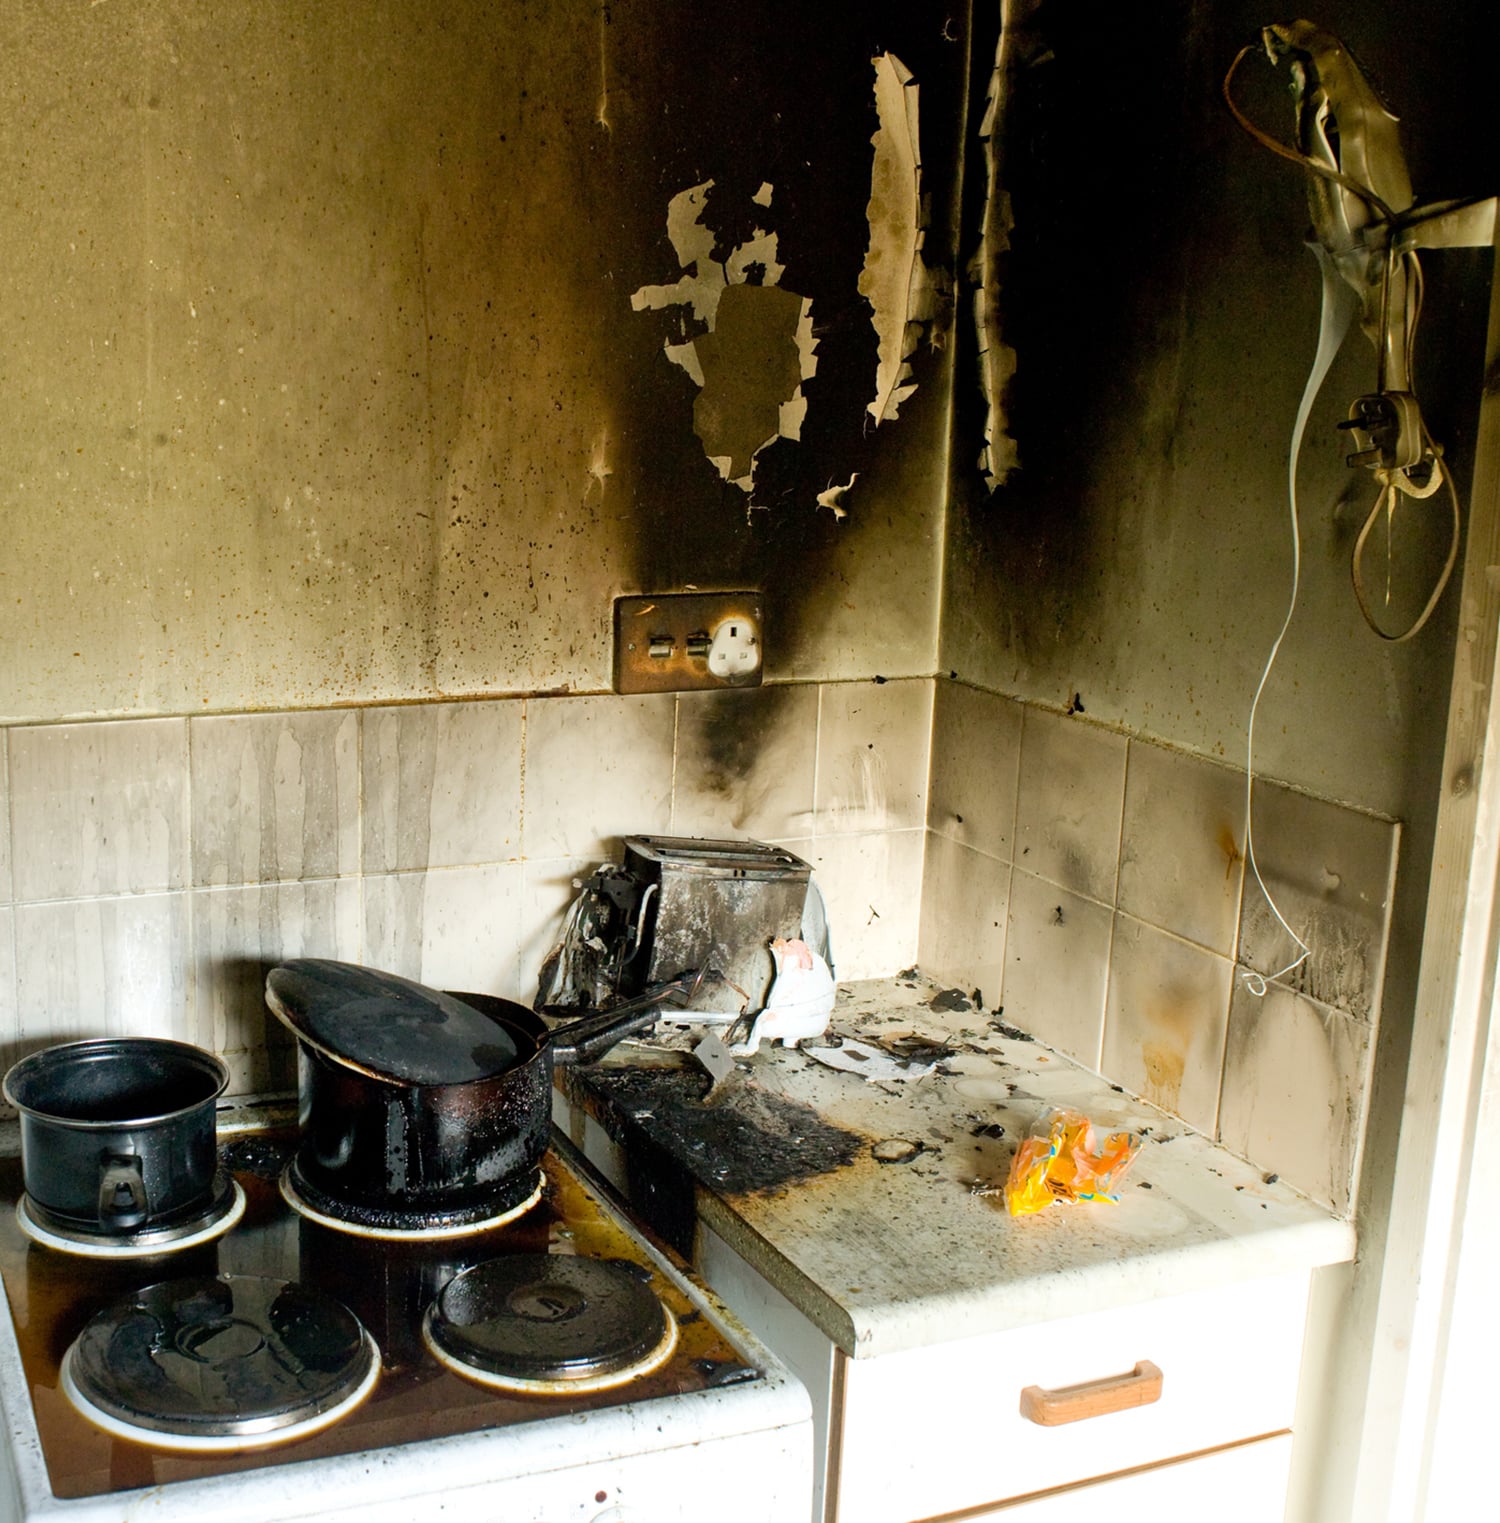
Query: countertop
pixel 783 1163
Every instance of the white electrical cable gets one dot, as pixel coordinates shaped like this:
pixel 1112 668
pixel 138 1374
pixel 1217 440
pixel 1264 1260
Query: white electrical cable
pixel 1333 324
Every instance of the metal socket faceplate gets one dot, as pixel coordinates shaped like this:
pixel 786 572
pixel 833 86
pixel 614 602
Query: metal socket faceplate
pixel 663 643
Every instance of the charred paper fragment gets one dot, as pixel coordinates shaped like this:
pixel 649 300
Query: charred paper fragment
pixel 833 498
pixel 949 999
pixel 716 1059
pixel 871 1063
pixel 895 279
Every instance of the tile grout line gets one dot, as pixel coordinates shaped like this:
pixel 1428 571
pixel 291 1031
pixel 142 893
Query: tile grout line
pixel 672 781
pixel 1114 911
pixel 1015 841
pixel 190 929
pixel 10 860
pixel 359 833
pixel 521 836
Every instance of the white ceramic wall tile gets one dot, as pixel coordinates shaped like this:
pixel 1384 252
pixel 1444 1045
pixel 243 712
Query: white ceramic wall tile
pixel 1069 803
pixel 547 889
pixel 597 769
pixel 103 967
pixel 5 883
pixel 1056 960
pixel 874 740
pixel 275 797
pixel 873 888
pixel 10 1023
pixel 976 754
pixel 1165 1018
pixel 442 785
pixel 239 935
pixel 452 928
pixel 99 808
pixel 1331 872
pixel 1296 1082
pixel 745 763
pixel 965 905
pixel 1182 848
pixel 392 926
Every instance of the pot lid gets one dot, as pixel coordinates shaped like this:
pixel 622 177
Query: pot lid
pixel 386 1026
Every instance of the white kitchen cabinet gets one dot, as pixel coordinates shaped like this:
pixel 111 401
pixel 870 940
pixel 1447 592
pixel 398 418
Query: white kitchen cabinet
pixel 1245 1483
pixel 936 1430
pixel 915 1311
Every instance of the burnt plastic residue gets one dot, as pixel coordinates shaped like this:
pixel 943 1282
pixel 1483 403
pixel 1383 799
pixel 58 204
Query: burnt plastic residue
pixel 749 1140
pixel 719 1372
pixel 950 999
pixel 257 1153
pixel 1010 1033
pixel 917 1049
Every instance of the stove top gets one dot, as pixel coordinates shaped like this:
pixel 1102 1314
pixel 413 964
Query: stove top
pixel 525 1289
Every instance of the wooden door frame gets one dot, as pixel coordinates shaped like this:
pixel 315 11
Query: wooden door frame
pixel 1446 1111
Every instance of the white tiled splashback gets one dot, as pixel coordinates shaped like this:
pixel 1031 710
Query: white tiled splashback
pixel 1094 887
pixel 152 870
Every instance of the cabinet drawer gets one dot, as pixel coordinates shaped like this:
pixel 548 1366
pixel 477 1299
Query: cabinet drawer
pixel 939 1429
pixel 1245 1484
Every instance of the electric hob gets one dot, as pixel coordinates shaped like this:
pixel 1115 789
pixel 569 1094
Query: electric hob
pixel 559 1366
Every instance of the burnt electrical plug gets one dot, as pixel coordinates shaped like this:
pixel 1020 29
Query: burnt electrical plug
pixel 1387 427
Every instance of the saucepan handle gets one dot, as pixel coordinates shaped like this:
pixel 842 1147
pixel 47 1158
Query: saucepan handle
pixel 122 1192
pixel 591 1036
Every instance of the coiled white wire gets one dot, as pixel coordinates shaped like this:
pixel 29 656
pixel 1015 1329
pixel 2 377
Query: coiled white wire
pixel 1337 311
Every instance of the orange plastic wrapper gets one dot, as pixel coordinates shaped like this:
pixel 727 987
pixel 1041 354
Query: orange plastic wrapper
pixel 1062 1159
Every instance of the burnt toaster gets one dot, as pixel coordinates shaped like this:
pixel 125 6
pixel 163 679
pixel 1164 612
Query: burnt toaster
pixel 715 905
pixel 676 905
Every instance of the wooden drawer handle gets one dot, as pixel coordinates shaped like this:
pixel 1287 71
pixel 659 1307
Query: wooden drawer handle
pixel 1094 1398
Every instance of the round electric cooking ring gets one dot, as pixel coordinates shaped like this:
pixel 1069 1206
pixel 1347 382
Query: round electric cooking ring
pixel 219 1363
pixel 218 1443
pixel 214 1223
pixel 418 1234
pixel 549 1325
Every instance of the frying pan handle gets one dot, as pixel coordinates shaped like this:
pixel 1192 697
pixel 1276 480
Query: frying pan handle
pixel 591 1036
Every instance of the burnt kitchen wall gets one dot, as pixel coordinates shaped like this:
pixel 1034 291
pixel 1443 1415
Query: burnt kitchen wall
pixel 328 380
pixel 1113 602
pixel 1127 564
pixel 354 359
pixel 1163 311
pixel 1115 582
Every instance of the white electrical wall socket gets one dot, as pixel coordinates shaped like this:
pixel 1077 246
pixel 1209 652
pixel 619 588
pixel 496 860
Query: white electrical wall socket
pixel 734 651
pixel 680 641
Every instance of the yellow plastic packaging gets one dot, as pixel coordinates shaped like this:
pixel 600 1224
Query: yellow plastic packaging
pixel 1061 1159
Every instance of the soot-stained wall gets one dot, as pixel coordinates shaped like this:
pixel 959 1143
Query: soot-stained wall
pixel 322 374
pixel 1164 313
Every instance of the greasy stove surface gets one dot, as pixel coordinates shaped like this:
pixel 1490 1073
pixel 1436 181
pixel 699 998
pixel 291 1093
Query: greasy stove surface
pixel 52 1295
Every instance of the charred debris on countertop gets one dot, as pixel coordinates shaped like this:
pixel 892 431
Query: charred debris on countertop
pixel 956 1000
pixel 677 1130
pixel 749 1142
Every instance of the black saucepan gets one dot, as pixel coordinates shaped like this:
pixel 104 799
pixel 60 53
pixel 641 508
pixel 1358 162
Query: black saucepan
pixel 426 1111
pixel 117 1133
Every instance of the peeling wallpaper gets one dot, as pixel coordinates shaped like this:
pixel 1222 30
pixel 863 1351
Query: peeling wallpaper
pixel 322 379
